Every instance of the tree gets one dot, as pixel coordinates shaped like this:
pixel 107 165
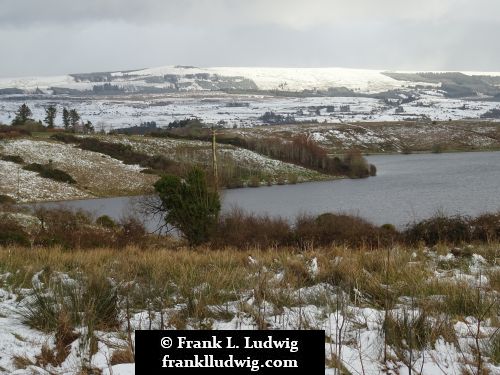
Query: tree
pixel 74 117
pixel 23 114
pixel 66 118
pixel 88 127
pixel 189 205
pixel 50 115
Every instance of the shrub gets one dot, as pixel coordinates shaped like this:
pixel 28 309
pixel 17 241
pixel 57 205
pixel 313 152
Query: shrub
pixel 356 164
pixel 76 230
pixel 327 229
pixel 11 233
pixel 254 182
pixel 131 232
pixel 189 204
pixel 9 132
pixel 439 229
pixel 105 221
pixel 13 158
pixel 5 199
pixel 486 227
pixel 47 171
pixel 244 231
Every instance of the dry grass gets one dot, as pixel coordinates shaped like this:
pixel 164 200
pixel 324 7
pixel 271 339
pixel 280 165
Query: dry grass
pixel 192 288
pixel 122 356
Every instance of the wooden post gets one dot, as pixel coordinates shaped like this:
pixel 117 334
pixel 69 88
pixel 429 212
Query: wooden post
pixel 18 181
pixel 214 160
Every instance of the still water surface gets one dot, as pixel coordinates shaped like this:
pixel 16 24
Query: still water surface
pixel 406 188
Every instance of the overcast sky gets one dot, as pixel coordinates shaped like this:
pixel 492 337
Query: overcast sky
pixel 46 37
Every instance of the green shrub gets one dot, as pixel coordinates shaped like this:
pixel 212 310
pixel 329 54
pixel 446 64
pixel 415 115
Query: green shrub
pixel 189 204
pixel 105 221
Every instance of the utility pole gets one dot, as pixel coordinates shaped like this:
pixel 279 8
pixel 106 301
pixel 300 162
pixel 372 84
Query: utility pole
pixel 18 182
pixel 214 160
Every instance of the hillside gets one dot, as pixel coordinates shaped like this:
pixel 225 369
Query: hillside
pixel 100 175
pixel 246 97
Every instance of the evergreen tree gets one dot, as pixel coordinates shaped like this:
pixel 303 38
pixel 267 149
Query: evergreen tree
pixel 23 114
pixel 50 115
pixel 66 118
pixel 74 117
pixel 189 205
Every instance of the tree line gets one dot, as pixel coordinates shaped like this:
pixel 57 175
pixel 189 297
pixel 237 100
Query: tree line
pixel 71 119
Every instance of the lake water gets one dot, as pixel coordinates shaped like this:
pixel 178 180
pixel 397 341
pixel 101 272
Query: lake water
pixel 406 188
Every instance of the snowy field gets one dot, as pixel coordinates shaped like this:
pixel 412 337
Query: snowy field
pixel 219 108
pixel 274 299
pixel 240 96
pixel 96 174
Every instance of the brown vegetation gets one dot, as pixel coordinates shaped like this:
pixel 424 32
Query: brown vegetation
pixel 300 150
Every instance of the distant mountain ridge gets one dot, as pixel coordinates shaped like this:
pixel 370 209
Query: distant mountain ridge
pixel 279 81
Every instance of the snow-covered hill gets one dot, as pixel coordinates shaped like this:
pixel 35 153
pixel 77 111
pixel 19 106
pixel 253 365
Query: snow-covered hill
pixel 184 78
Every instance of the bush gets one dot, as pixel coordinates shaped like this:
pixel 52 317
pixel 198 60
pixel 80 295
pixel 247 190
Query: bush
pixel 254 182
pixel 486 227
pixel 439 229
pixel 352 231
pixel 105 221
pixel 47 171
pixel 131 232
pixel 189 204
pixel 11 233
pixel 13 158
pixel 356 165
pixel 76 230
pixel 244 231
pixel 9 132
pixel 5 199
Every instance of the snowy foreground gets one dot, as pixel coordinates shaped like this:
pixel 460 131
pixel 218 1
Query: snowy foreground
pixel 353 325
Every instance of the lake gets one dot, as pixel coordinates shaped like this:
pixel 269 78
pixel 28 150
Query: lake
pixel 406 188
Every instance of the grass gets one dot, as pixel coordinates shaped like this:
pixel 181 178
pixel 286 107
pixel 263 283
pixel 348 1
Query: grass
pixel 175 287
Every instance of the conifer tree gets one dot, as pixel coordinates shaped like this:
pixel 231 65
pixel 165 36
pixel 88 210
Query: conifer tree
pixel 23 114
pixel 66 118
pixel 50 115
pixel 74 118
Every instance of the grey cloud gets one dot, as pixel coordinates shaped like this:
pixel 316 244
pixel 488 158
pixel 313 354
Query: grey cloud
pixel 55 37
pixel 292 13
